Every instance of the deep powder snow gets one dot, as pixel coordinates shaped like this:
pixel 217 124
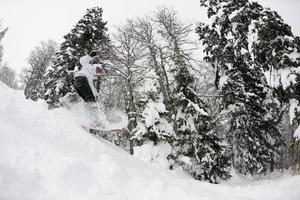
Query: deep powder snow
pixel 46 155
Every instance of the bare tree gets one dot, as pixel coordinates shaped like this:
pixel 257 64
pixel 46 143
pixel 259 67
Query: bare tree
pixel 33 76
pixel 129 58
pixel 174 31
pixel 145 31
pixel 7 74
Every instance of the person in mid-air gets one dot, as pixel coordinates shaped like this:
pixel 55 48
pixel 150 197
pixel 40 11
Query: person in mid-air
pixel 84 85
pixel 84 78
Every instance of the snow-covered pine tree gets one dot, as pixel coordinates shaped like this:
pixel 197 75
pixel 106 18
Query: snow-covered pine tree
pixel 253 133
pixel 153 124
pixel 293 92
pixel 90 33
pixel 229 42
pixel 277 52
pixel 196 146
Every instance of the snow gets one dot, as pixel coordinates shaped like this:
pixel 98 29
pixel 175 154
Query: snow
pixel 252 37
pixel 119 119
pixel 234 13
pixel 197 108
pixel 297 133
pixel 154 154
pixel 46 155
pixel 293 55
pixel 294 107
pixel 223 80
pixel 284 77
pixel 152 112
pixel 154 120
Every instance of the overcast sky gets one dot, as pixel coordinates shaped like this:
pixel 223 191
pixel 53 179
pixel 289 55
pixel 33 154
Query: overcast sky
pixel 33 21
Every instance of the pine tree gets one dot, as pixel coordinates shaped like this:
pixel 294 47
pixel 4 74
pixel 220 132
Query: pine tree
pixel 230 43
pixel 90 33
pixel 195 137
pixel 277 52
pixel 153 124
pixel 253 132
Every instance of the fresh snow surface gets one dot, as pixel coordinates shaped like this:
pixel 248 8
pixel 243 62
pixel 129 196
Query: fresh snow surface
pixel 46 155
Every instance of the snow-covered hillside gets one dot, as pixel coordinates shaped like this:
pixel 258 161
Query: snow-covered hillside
pixel 46 155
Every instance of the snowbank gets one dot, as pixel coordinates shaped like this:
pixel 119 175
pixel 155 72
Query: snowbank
pixel 46 155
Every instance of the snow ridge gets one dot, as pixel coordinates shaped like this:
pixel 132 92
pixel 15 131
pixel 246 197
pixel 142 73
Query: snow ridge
pixel 46 155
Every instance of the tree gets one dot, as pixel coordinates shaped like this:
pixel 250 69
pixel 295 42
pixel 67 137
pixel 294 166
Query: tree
pixel 2 34
pixel 8 76
pixel 153 124
pixel 33 77
pixel 129 61
pixel 157 35
pixel 158 98
pixel 144 31
pixel 195 135
pixel 171 109
pixel 90 33
pixel 253 132
pixel 230 43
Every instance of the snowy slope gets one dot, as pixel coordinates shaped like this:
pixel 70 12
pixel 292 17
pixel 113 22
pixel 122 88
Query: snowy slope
pixel 46 155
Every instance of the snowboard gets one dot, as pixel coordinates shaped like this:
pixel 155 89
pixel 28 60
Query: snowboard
pixel 95 130
pixel 105 134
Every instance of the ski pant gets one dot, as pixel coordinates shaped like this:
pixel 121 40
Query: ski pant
pixel 83 88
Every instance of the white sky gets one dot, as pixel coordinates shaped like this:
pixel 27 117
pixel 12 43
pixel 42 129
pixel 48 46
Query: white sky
pixel 33 21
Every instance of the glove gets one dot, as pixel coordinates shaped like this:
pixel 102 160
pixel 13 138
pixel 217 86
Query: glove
pixel 99 71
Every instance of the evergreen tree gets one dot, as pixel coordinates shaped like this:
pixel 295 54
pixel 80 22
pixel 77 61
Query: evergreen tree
pixel 253 132
pixel 90 33
pixel 153 124
pixel 231 46
pixel 195 137
pixel 268 42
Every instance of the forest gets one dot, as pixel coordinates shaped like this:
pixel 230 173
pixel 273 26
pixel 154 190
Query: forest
pixel 237 108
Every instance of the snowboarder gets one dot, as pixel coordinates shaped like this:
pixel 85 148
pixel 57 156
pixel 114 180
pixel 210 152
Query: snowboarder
pixel 84 78
pixel 84 85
